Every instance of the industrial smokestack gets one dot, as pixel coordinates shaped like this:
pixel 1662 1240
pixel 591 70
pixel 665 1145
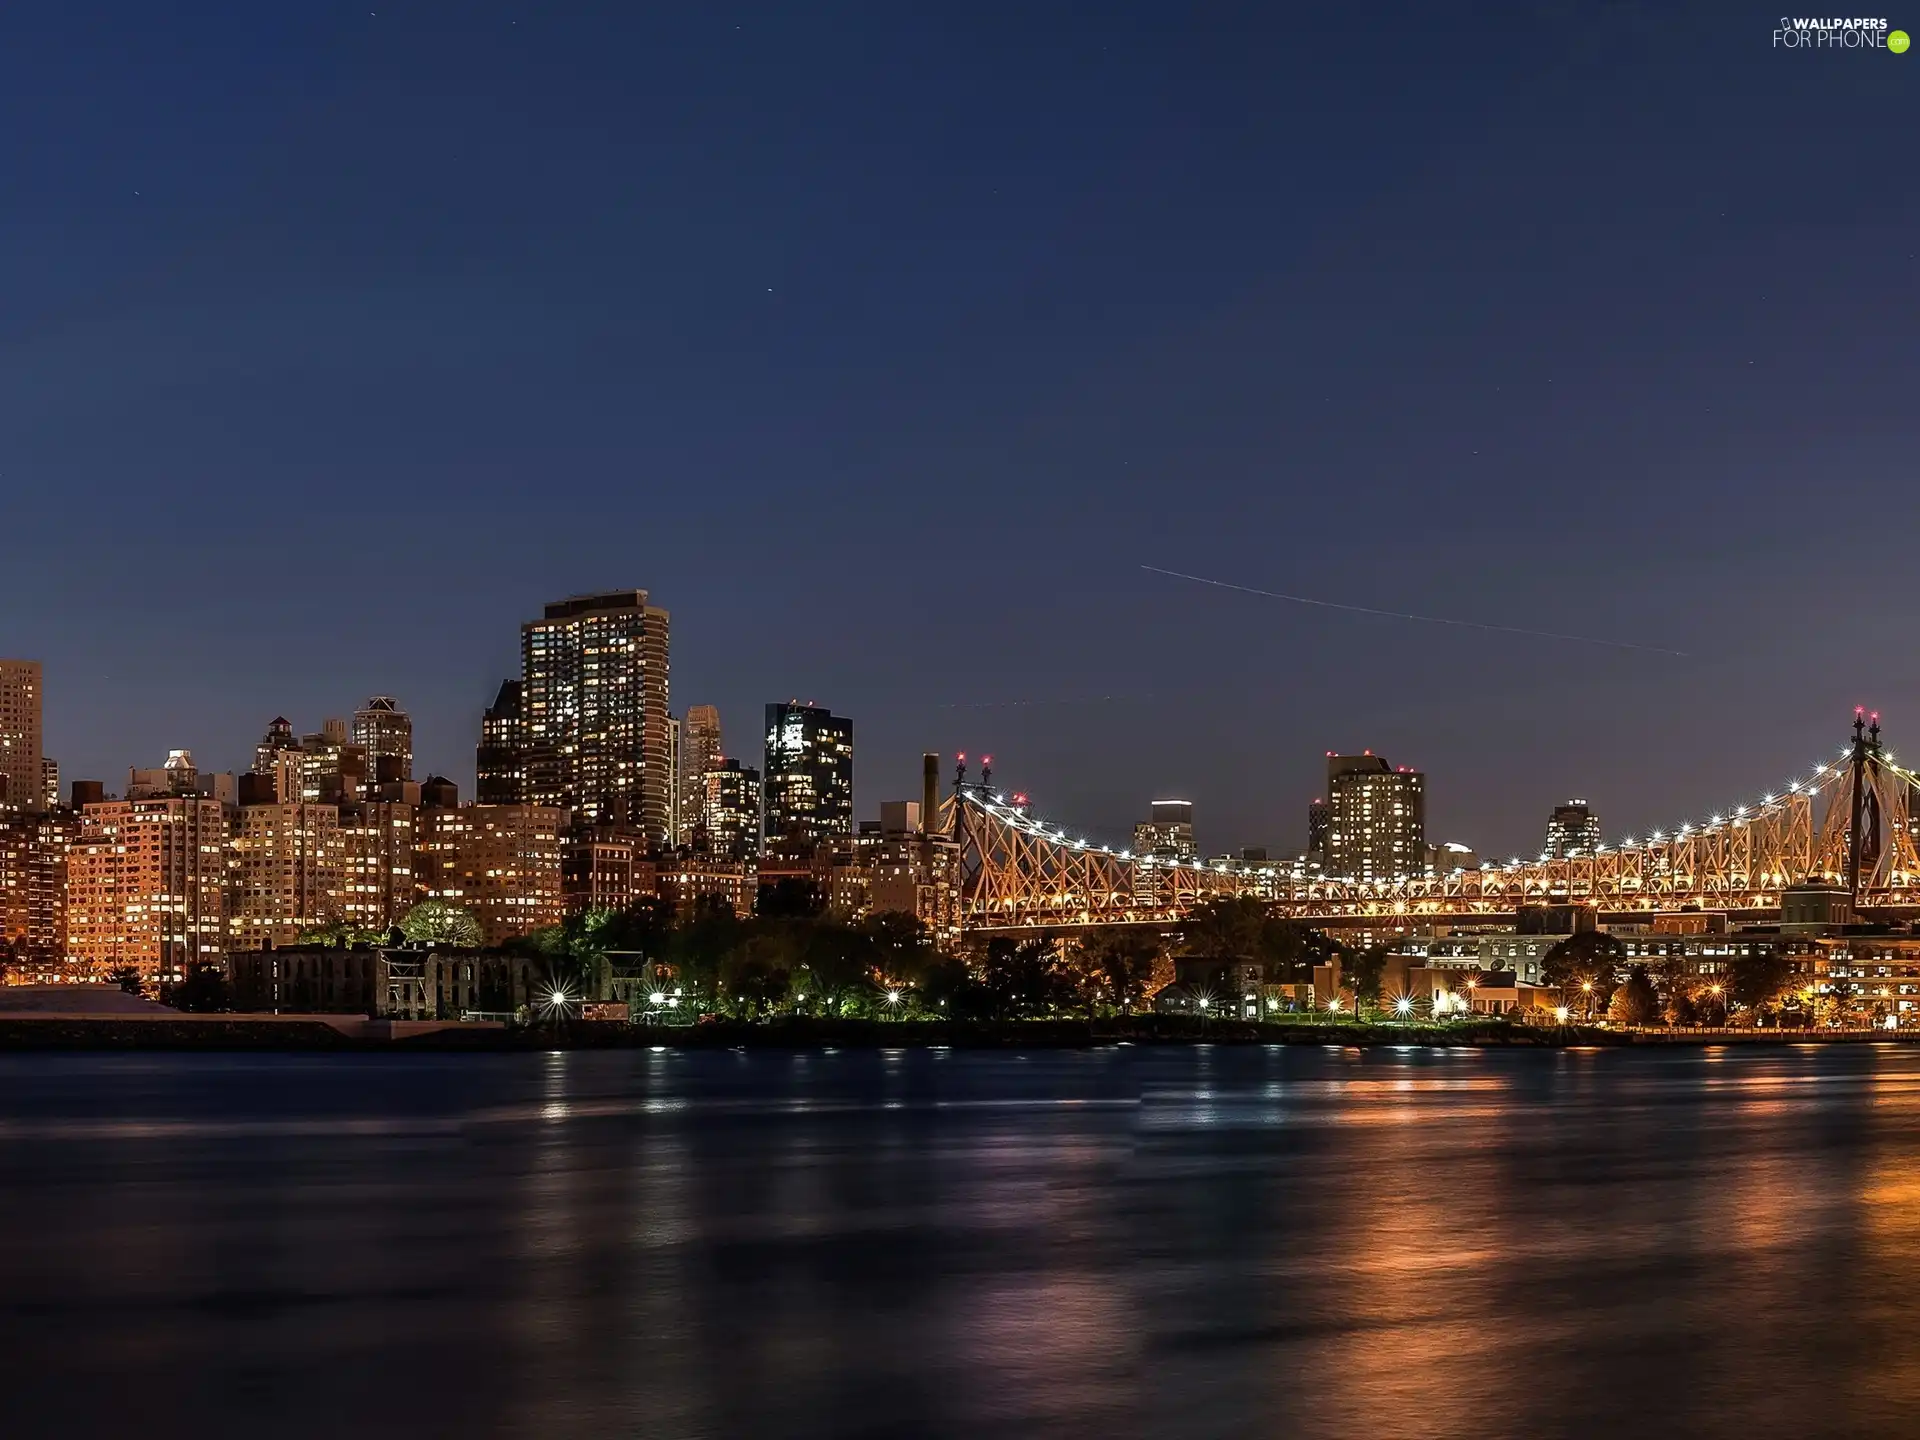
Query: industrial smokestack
pixel 929 793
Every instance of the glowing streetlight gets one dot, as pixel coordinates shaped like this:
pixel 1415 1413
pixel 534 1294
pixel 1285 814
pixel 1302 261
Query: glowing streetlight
pixel 1403 1005
pixel 1560 1013
pixel 893 997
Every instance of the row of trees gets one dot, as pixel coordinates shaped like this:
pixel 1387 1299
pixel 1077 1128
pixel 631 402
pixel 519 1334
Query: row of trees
pixel 1597 979
pixel 809 963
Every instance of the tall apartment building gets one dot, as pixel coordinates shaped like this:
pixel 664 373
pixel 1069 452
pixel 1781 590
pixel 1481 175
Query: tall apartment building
pixel 287 873
pixel 180 776
pixel 673 777
pixel 502 863
pixel 1377 819
pixel 699 753
pixel 807 782
pixel 50 782
pixel 594 701
pixel 146 886
pixel 325 767
pixel 900 866
pixel 33 891
pixel 1168 832
pixel 334 770
pixel 1572 829
pixel 730 811
pixel 377 841
pixel 1319 827
pixel 279 740
pixel 22 784
pixel 499 761
pixel 383 730
pixel 605 870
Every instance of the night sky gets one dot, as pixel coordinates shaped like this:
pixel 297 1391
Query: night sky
pixel 885 345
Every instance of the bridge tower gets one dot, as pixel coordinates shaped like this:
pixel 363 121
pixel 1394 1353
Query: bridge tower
pixel 1864 812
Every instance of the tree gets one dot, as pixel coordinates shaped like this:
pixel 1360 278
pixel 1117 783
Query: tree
pixel 1682 1007
pixel 839 962
pixel 1363 972
pixel 1114 967
pixel 1585 966
pixel 1636 1002
pixel 204 991
pixel 434 922
pixel 897 945
pixel 790 898
pixel 1756 982
pixel 129 979
pixel 340 934
pixel 1023 980
pixel 698 949
pixel 1225 928
pixel 1288 953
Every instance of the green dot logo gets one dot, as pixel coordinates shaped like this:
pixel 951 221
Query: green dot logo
pixel 1897 42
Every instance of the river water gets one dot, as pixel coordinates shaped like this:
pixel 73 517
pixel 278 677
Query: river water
pixel 1119 1242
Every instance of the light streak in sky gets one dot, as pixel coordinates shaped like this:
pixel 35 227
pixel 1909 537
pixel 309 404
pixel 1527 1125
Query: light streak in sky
pixel 1423 619
pixel 1021 704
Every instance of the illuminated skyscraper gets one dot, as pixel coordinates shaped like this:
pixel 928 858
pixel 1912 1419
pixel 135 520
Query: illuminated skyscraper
pixel 146 886
pixel 594 702
pixel 377 859
pixel 730 810
pixel 1319 826
pixel 699 753
pixel 278 740
pixel 287 873
pixel 500 761
pixel 1168 834
pixel 808 776
pixel 22 785
pixel 382 729
pixel 500 862
pixel 1572 829
pixel 33 890
pixel 1377 819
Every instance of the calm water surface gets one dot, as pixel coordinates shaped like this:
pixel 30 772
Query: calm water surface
pixel 1126 1242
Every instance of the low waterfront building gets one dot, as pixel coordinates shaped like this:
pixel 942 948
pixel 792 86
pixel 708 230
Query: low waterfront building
pixel 395 982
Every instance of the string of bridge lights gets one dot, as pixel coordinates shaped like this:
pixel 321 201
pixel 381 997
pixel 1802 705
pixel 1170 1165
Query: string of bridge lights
pixel 1014 812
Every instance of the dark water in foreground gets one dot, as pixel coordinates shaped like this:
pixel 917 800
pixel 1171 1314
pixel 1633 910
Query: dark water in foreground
pixel 1284 1242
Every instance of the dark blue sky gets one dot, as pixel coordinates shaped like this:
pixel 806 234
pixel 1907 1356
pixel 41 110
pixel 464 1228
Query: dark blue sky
pixel 885 344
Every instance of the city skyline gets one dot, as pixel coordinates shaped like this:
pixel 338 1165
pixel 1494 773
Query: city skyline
pixel 372 718
pixel 1271 308
pixel 1288 836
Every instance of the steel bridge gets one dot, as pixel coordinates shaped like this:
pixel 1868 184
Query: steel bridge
pixel 1845 823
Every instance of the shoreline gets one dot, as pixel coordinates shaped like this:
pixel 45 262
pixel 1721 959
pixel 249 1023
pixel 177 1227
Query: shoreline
pixel 267 1034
